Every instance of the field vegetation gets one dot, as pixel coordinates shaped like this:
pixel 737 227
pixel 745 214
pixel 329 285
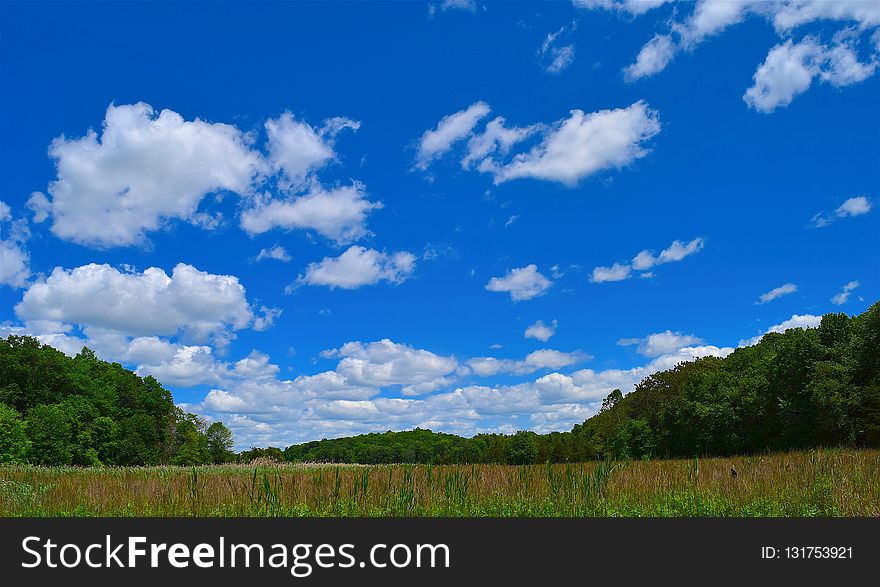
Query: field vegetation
pixel 810 483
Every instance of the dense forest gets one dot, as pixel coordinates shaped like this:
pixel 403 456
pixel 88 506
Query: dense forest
pixel 799 389
pixel 57 410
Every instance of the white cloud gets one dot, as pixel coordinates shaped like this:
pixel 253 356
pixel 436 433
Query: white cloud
pixel 523 283
pixel 297 149
pixel 385 363
pixel 674 252
pixel 358 266
pixel 796 321
pixel 555 58
pixel 534 361
pixel 616 272
pixel 855 206
pixel 451 128
pixel 338 213
pixel 466 5
pixel 497 137
pixel 646 259
pixel 569 150
pixel 652 58
pixel 141 171
pixel 584 144
pixel 632 7
pixel 661 343
pixel 198 305
pixel 14 257
pixel 790 69
pixel 277 252
pixel 777 292
pixel 843 296
pixel 541 331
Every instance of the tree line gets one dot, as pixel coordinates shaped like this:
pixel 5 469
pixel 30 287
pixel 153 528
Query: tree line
pixel 798 389
pixel 58 410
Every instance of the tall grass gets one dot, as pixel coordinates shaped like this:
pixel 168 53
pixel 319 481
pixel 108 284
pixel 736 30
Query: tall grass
pixel 812 483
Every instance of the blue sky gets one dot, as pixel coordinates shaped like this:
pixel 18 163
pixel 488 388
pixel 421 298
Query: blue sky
pixel 425 182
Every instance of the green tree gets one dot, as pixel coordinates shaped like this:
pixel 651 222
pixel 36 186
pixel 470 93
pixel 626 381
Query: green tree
pixel 14 442
pixel 521 449
pixel 220 443
pixel 48 428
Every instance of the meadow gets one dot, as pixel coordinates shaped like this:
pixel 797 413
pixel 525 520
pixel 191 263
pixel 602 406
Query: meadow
pixel 832 482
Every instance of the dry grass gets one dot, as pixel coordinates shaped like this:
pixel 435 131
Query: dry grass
pixel 812 483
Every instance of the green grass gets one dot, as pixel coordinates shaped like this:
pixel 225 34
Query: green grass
pixel 832 482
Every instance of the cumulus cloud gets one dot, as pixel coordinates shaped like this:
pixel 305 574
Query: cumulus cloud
pixel 617 272
pixel 451 128
pixel 277 252
pixel 796 321
pixel 790 69
pixel 646 260
pixel 297 149
pixel 584 144
pixel 843 296
pixel 385 363
pixel 142 170
pixel 14 257
pixel 855 206
pixel 568 150
pixel 330 404
pixel 358 266
pixel 337 213
pixel 534 361
pixel 523 283
pixel 777 292
pixel 541 331
pixel 661 343
pixel 198 305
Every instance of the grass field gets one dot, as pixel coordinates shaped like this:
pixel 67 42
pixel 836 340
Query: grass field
pixel 813 483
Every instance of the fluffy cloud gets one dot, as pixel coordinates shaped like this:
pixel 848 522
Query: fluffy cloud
pixel 796 321
pixel 777 292
pixel 451 128
pixel 843 296
pixel 652 58
pixel 524 283
pixel 855 206
pixel 617 272
pixel 141 171
pixel 790 69
pixel 14 257
pixel 277 252
pixel 568 151
pixel 541 331
pixel 297 149
pixel 198 305
pixel 661 343
pixel 646 260
pixel 534 361
pixel 384 363
pixel 584 144
pixel 358 266
pixel 338 213
pixel 331 404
